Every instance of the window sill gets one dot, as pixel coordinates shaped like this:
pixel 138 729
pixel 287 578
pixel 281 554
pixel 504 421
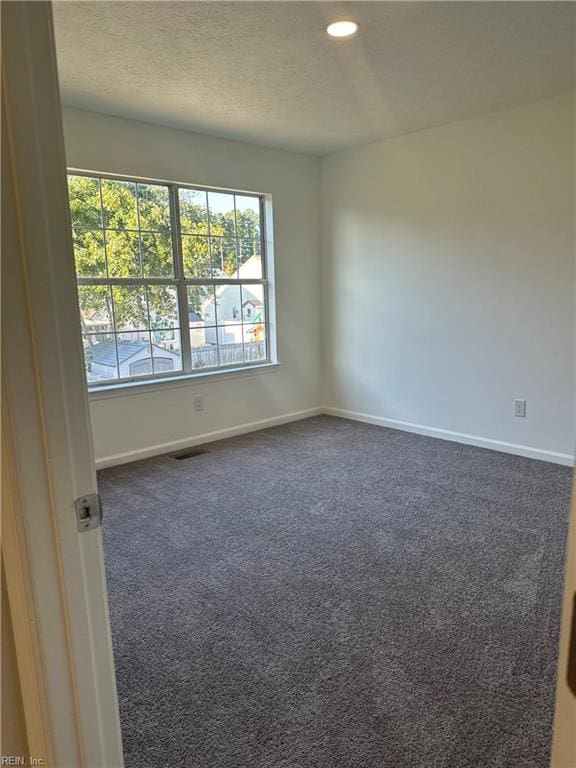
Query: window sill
pixel 142 387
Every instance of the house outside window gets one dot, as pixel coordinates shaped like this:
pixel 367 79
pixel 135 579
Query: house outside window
pixel 172 279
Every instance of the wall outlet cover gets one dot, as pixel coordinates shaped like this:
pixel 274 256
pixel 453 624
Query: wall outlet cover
pixel 520 408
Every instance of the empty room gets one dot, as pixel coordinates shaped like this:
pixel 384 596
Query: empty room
pixel 289 384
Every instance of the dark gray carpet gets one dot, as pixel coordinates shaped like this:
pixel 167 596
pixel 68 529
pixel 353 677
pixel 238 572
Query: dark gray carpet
pixel 328 594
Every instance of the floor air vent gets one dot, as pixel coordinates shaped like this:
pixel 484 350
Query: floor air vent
pixel 188 453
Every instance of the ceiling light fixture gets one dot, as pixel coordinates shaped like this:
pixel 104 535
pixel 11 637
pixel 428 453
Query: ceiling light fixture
pixel 342 28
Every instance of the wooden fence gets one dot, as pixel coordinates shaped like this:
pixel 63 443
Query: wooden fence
pixel 230 354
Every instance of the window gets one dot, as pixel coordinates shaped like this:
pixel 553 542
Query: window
pixel 171 279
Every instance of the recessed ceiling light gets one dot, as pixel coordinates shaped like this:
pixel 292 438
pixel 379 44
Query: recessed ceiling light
pixel 342 28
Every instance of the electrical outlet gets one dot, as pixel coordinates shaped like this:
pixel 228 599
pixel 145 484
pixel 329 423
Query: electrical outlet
pixel 520 408
pixel 198 402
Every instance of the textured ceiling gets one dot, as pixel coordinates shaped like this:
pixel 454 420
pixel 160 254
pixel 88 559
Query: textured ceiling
pixel 266 72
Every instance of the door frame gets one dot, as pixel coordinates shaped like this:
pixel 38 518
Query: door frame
pixel 564 739
pixel 45 402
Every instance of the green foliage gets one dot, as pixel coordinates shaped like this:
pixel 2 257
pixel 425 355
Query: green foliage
pixel 234 234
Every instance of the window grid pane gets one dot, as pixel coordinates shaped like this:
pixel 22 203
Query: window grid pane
pixel 127 232
pixel 166 350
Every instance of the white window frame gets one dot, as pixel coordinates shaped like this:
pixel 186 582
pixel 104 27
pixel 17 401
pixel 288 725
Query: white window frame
pixel 181 283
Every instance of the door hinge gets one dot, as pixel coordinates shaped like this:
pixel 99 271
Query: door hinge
pixel 88 511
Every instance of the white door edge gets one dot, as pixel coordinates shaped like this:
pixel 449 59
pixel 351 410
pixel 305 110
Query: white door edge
pixel 43 354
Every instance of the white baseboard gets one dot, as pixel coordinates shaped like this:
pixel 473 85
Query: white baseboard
pixel 207 437
pixel 253 426
pixel 457 437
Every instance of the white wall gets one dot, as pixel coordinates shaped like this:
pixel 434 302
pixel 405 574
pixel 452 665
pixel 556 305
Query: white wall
pixel 448 279
pixel 132 423
pixel 448 273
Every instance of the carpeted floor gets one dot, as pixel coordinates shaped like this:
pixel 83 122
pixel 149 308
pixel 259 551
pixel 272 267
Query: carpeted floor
pixel 329 594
